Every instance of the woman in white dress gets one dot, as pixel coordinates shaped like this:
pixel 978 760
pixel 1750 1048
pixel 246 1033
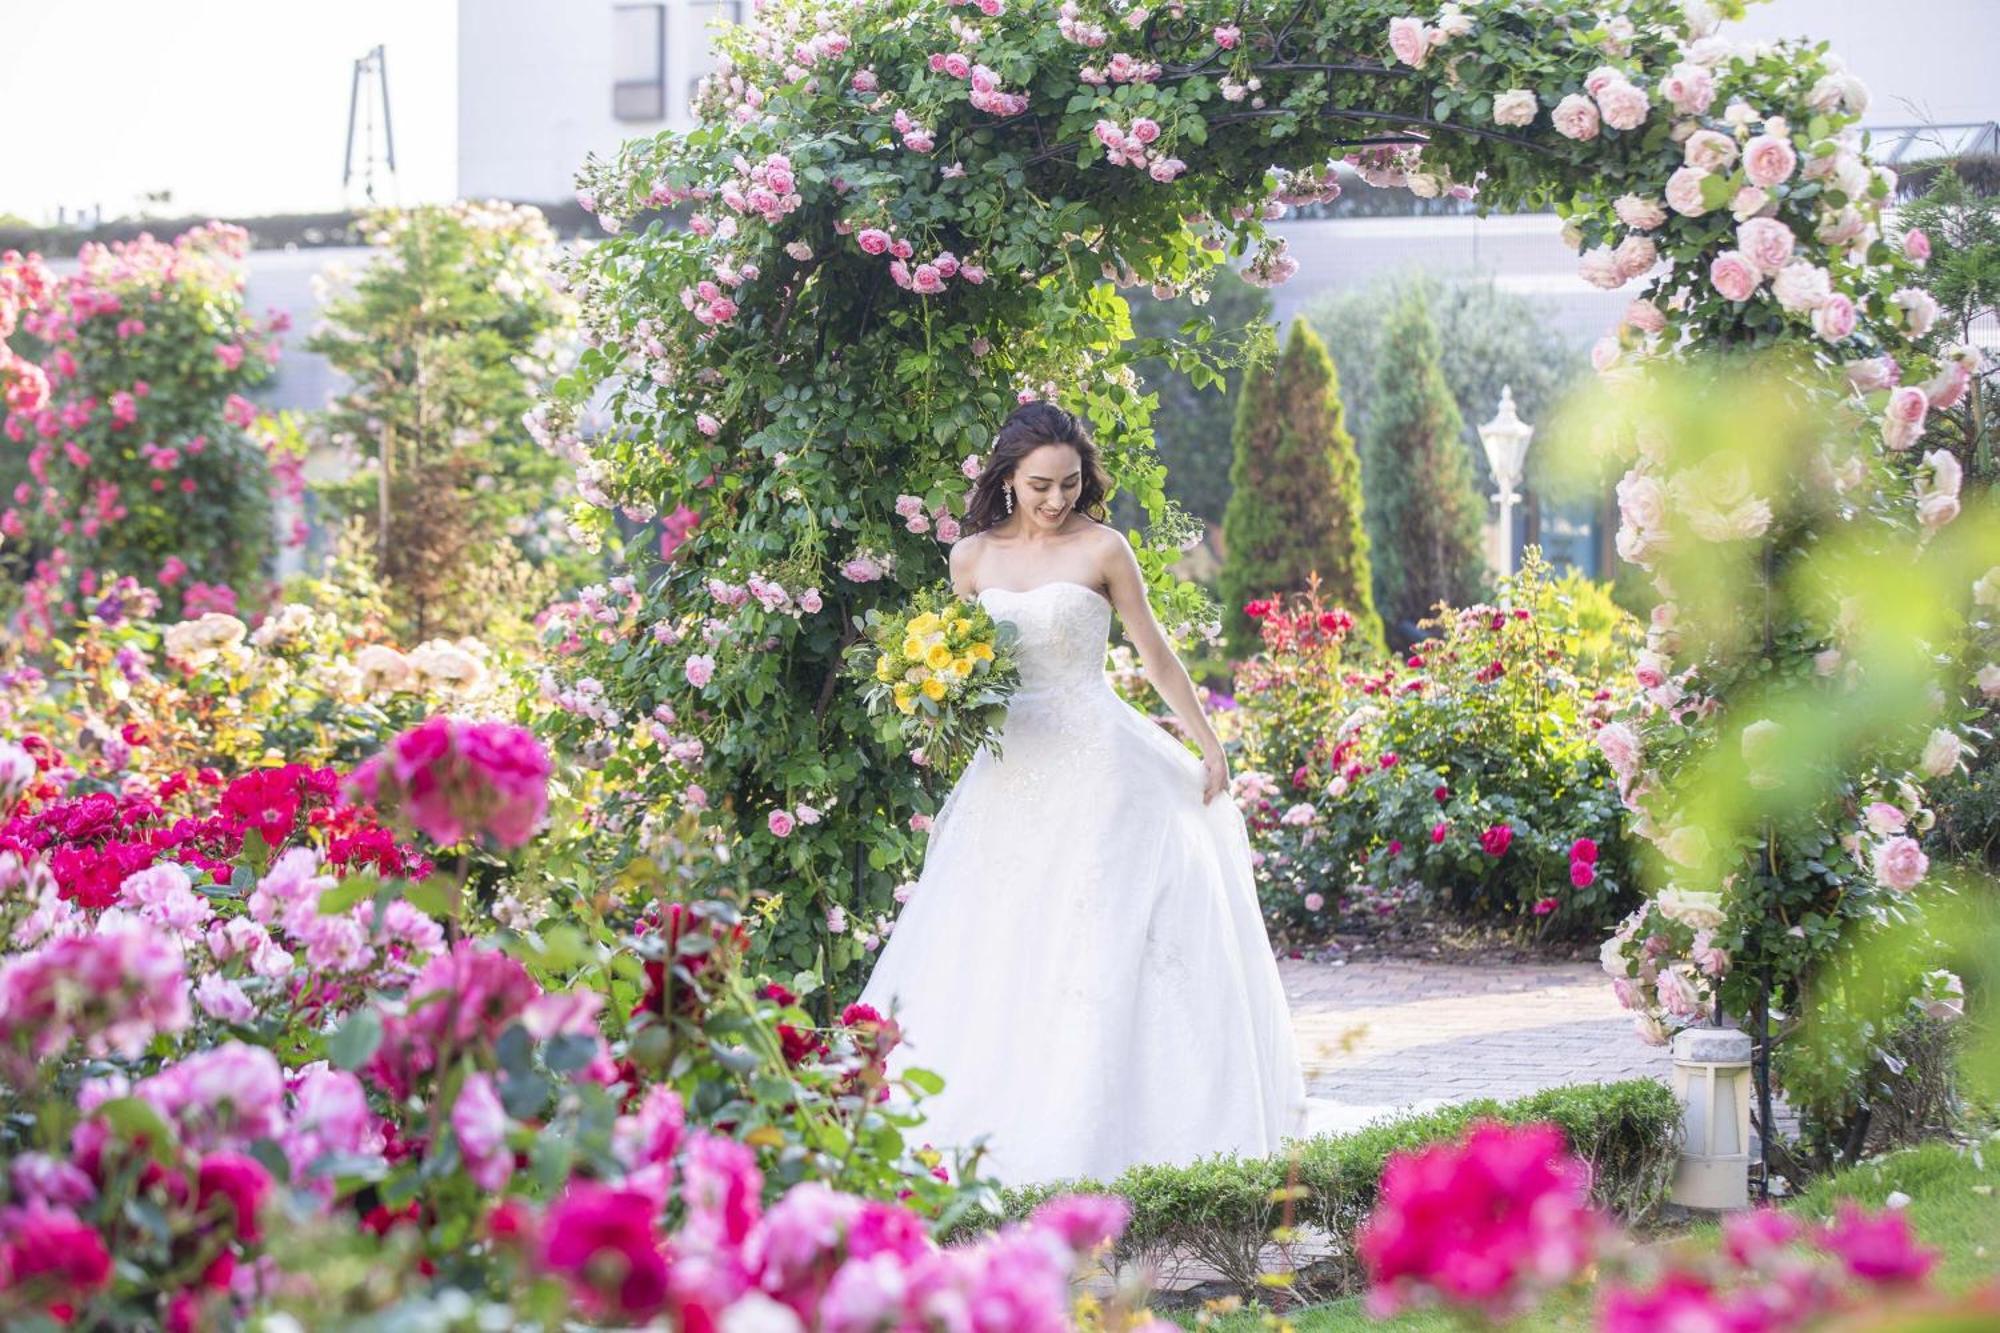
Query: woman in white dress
pixel 1083 959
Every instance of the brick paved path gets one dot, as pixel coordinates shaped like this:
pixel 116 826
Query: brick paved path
pixel 1391 1033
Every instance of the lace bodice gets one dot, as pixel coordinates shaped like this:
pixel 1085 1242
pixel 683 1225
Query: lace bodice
pixel 1064 629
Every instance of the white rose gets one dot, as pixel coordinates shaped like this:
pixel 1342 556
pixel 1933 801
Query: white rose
pixel 1600 268
pixel 1638 213
pixel 1942 752
pixel 1516 106
pixel 1684 194
pixel 1696 911
pixel 1801 286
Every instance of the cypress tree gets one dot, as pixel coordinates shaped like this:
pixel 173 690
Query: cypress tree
pixel 1426 520
pixel 1295 502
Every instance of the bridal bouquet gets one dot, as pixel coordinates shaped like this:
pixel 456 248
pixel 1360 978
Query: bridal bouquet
pixel 937 675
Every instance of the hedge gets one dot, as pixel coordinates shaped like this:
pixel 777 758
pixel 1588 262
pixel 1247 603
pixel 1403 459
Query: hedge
pixel 1221 1212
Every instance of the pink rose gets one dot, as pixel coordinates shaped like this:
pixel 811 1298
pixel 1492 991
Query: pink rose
pixel 1769 160
pixel 1638 213
pixel 1684 192
pixel 1884 819
pixel 1410 42
pixel 1916 245
pixel 873 240
pixel 1624 106
pixel 1645 317
pixel 1709 150
pixel 1903 422
pixel 1496 840
pixel 1767 243
pixel 1690 87
pixel 809 601
pixel 1900 864
pixel 700 670
pixel 948 530
pixel 1145 129
pixel 1314 902
pixel 1872 373
pixel 1636 256
pixel 1734 276
pixel 957 66
pixel 1600 268
pixel 1575 117
pixel 780 822
pixel 1835 318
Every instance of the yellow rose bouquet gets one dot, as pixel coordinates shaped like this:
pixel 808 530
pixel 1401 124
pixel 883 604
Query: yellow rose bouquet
pixel 937 675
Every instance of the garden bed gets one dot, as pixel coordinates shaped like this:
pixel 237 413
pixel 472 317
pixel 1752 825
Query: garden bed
pixel 1217 1216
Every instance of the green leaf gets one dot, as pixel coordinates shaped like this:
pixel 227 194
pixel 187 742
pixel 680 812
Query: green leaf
pixel 924 1079
pixel 356 1040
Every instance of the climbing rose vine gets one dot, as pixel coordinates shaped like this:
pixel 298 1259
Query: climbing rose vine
pixel 895 223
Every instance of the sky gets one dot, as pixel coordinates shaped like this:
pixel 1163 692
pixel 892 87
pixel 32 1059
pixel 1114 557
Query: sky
pixel 237 106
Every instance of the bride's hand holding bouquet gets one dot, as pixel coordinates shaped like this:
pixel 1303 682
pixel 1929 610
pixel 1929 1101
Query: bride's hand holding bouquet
pixel 937 675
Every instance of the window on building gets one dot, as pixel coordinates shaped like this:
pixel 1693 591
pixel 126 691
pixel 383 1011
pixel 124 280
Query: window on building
pixel 706 15
pixel 639 62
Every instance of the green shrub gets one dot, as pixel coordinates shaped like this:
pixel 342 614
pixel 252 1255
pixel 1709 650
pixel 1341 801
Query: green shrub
pixel 1221 1211
pixel 1380 784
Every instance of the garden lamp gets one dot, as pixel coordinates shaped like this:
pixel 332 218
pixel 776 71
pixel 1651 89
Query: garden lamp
pixel 1712 1081
pixel 1506 439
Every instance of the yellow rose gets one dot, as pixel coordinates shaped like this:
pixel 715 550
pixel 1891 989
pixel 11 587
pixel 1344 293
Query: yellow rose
pixel 938 658
pixel 885 667
pixel 913 647
pixel 934 688
pixel 963 666
pixel 924 623
pixel 982 651
pixel 906 699
pixel 961 626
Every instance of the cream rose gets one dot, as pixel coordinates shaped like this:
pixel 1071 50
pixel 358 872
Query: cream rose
pixel 1575 117
pixel 1684 194
pixel 1943 752
pixel 1800 287
pixel 1516 106
pixel 1710 150
pixel 1410 41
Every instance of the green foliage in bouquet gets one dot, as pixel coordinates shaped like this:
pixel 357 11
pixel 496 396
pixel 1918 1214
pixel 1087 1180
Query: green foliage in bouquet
pixel 938 675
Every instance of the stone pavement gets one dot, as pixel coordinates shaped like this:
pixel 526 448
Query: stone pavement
pixel 1376 1033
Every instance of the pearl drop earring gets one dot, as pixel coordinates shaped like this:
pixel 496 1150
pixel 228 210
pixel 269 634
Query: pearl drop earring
pixel 1007 494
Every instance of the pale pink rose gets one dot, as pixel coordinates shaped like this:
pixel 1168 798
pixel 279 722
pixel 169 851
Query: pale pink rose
pixel 1709 150
pixel 948 530
pixel 1769 160
pixel 1884 819
pixel 1801 287
pixel 1145 129
pixel 1620 746
pixel 1575 117
pixel 1624 105
pixel 810 601
pixel 1645 317
pixel 1639 214
pixel 1605 353
pixel 1903 421
pixel 1988 680
pixel 1684 194
pixel 1766 243
pixel 1516 106
pixel 700 670
pixel 1841 228
pixel 1600 269
pixel 1690 87
pixel 1678 993
pixel 1227 35
pixel 1900 864
pixel 1636 256
pixel 1872 373
pixel 1749 202
pixel 1642 501
pixel 1948 386
pixel 1937 491
pixel 1601 78
pixel 873 240
pixel 1835 318
pixel 1916 245
pixel 1943 752
pixel 780 823
pixel 1920 310
pixel 1314 902
pixel 956 65
pixel 1734 276
pixel 1410 41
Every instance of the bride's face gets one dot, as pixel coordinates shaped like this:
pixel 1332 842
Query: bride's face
pixel 1046 485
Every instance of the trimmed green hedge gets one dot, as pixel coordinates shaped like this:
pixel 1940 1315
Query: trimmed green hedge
pixel 1220 1213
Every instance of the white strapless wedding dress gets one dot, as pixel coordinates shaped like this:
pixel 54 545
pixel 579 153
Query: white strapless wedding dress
pixel 1083 959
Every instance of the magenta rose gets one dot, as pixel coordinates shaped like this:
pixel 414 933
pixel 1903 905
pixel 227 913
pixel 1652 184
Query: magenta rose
pixel 1496 840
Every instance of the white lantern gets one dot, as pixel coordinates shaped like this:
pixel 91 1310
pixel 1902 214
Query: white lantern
pixel 1506 440
pixel 1712 1081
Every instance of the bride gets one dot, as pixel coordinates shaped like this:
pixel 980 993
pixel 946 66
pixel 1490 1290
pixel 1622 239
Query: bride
pixel 1083 959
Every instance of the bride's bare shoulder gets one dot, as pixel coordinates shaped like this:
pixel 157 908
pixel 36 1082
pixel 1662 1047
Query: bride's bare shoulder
pixel 964 562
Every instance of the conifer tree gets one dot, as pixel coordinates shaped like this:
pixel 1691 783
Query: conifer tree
pixel 1425 520
pixel 1295 504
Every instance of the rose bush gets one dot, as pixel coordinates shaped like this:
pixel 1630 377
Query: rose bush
pixel 1464 775
pixel 135 447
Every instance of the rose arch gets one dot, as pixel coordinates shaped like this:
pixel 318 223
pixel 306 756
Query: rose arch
pixel 898 219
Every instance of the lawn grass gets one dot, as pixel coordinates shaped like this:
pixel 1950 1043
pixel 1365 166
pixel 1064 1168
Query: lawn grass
pixel 1946 1210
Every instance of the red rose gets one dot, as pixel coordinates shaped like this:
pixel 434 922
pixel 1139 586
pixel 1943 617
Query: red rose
pixel 1496 840
pixel 1585 850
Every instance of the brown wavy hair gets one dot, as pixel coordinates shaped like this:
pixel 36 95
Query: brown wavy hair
pixel 1031 426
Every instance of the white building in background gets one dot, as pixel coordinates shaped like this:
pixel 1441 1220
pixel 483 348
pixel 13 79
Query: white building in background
pixel 541 85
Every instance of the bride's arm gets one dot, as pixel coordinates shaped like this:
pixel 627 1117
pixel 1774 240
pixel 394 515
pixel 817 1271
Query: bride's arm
pixel 1163 666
